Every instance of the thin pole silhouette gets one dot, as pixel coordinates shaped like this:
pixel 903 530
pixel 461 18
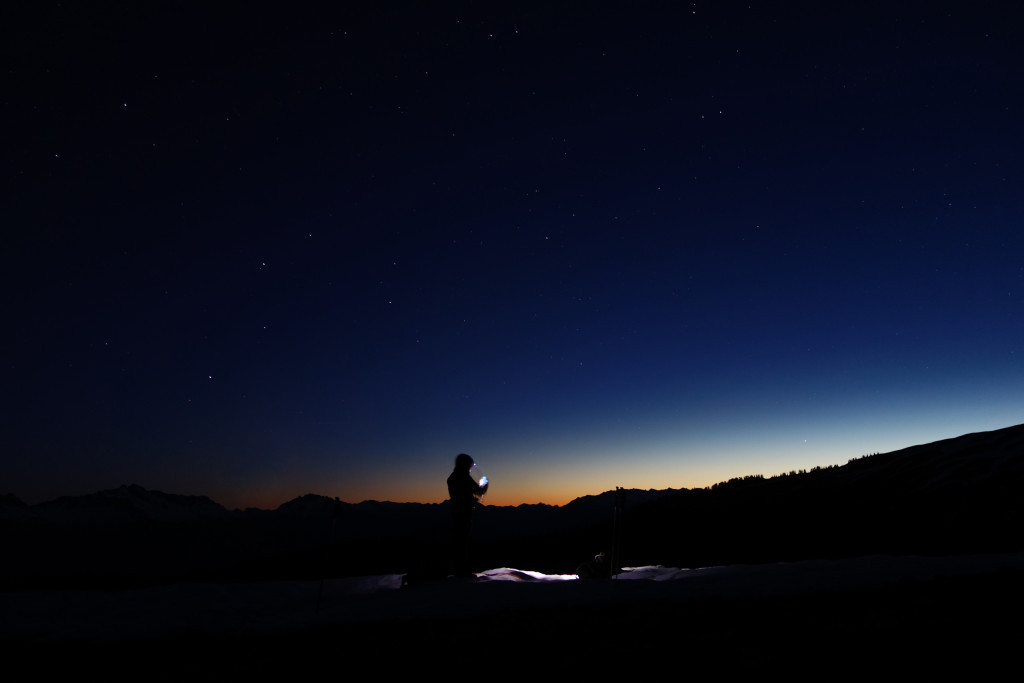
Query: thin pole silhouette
pixel 620 504
pixel 327 547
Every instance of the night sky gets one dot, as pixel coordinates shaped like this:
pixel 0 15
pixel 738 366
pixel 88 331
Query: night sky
pixel 326 248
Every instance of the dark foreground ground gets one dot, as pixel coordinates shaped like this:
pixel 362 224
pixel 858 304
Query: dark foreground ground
pixel 878 616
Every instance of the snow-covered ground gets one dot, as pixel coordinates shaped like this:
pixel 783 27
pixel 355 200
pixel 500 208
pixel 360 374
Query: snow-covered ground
pixel 283 606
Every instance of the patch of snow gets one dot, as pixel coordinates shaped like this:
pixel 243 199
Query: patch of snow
pixel 509 574
pixel 283 606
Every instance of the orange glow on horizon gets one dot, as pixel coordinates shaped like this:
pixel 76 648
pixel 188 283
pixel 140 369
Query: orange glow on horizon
pixel 509 496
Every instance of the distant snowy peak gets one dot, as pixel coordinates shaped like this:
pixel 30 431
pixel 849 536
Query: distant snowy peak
pixel 128 505
pixel 13 508
pixel 309 505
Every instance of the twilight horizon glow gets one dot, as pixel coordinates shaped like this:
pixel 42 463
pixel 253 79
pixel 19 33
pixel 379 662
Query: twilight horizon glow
pixel 325 253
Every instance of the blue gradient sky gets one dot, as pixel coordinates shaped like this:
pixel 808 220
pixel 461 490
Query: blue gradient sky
pixel 256 257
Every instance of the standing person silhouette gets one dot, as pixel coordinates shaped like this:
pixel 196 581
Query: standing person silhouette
pixel 463 492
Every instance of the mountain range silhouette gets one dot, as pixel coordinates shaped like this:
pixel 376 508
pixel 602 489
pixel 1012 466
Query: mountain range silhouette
pixel 953 496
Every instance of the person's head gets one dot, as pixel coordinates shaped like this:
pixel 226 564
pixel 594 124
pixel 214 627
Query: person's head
pixel 463 462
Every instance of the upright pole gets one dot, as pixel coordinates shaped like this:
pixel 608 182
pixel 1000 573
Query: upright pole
pixel 620 500
pixel 327 548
